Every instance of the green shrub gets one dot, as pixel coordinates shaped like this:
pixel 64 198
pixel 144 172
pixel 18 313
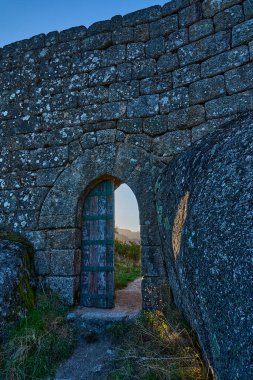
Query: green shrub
pixel 127 263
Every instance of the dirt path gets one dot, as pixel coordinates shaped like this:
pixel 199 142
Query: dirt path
pixel 89 359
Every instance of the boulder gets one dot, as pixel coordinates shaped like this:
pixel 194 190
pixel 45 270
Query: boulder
pixel 205 212
pixel 17 279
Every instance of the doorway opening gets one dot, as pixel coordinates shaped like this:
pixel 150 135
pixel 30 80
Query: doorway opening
pixel 127 238
pixel 110 263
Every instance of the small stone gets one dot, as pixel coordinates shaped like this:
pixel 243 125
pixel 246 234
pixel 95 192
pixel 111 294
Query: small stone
pixel 140 17
pixel 106 137
pixel 174 6
pixel 155 47
pixel 204 48
pixel 70 34
pixel 156 85
pixel 207 89
pixel 174 99
pixel 186 75
pixel 172 143
pixel 71 317
pixel 164 27
pixel 239 79
pixel 200 29
pixel 99 41
pixel 94 95
pixel 100 27
pixel 210 7
pixel 177 39
pixel 156 125
pixel 113 55
pixel 225 61
pixel 113 110
pixel 120 136
pixel 88 140
pixel 242 33
pixel 167 62
pixel 228 18
pixel 144 69
pixel 141 33
pixel 189 15
pixel 229 105
pixel 123 36
pixel 130 125
pixel 248 9
pixel 146 105
pixel 140 141
pixel 103 76
pixel 251 50
pixel 91 113
pixel 124 72
pixel 123 91
pixel 135 51
pixel 186 118
pixel 89 61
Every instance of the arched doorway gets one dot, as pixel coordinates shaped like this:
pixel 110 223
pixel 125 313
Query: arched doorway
pixel 99 259
pixel 60 218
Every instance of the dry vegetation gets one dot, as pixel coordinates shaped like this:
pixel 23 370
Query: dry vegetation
pixel 159 348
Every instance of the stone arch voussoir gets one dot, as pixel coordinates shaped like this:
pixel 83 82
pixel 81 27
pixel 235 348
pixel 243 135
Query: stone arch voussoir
pixel 61 213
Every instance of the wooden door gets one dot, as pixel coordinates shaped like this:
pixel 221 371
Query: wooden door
pixel 97 267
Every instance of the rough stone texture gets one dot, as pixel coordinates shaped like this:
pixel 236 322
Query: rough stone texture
pixel 204 203
pixel 239 79
pixel 206 89
pixel 16 279
pixel 225 61
pixel 121 98
pixel 204 48
pixel 242 33
pixel 200 29
pixel 186 75
pixel 189 15
pixel 228 18
pixel 248 9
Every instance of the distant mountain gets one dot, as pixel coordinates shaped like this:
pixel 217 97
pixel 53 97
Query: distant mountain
pixel 127 236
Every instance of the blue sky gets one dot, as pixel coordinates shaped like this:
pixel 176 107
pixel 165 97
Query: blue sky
pixel 20 19
pixel 126 209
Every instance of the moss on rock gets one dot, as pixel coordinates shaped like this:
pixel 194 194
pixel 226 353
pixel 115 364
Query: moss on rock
pixel 22 289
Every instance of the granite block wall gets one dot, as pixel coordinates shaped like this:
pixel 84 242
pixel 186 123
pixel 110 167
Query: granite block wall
pixel 121 98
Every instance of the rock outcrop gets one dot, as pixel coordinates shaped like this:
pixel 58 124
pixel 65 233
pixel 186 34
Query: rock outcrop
pixel 205 209
pixel 16 276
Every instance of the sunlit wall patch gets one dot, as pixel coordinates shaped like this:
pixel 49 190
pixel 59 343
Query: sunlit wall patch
pixel 179 224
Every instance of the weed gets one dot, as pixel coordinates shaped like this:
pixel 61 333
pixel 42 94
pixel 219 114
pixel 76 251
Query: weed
pixel 38 342
pixel 156 347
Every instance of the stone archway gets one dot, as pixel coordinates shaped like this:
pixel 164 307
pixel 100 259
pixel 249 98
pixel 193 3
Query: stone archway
pixel 61 215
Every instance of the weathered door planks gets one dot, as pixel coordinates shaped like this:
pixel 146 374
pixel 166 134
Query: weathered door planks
pixel 97 268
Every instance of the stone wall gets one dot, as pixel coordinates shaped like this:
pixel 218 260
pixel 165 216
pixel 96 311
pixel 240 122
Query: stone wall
pixel 121 98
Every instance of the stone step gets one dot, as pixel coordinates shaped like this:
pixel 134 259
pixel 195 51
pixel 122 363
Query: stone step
pixel 100 320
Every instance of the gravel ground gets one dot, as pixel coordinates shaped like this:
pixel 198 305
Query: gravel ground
pixel 90 360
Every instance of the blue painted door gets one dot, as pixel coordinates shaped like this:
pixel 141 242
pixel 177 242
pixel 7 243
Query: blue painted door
pixel 97 266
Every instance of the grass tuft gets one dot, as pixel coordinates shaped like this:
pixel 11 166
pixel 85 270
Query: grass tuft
pixel 156 347
pixel 38 342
